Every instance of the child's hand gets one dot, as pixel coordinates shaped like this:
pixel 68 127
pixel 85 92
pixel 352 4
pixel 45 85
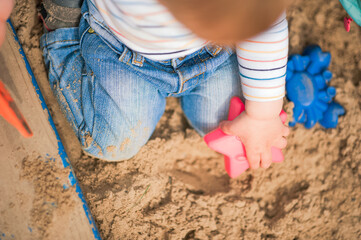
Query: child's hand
pixel 259 128
pixel 5 9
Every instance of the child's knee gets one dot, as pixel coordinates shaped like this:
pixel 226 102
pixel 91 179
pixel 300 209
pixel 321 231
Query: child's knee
pixel 113 157
pixel 112 151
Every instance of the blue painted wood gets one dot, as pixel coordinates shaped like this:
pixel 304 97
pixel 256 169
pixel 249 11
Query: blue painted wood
pixel 61 151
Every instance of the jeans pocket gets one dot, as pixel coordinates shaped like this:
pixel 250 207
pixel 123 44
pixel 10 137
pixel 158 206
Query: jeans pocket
pixel 100 31
pixel 119 49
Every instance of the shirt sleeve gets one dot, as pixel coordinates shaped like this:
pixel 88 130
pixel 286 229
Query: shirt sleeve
pixel 262 62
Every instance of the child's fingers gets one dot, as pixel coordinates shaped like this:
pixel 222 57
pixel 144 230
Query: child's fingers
pixel 266 159
pixel 286 131
pixel 281 143
pixel 253 157
pixel 226 127
pixel 254 160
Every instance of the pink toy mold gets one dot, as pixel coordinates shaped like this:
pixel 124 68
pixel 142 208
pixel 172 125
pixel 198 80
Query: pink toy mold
pixel 347 23
pixel 235 159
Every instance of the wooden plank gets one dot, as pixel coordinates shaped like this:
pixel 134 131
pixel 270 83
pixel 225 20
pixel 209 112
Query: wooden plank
pixel 39 196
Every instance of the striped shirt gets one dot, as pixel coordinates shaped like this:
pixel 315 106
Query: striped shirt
pixel 147 27
pixel 262 63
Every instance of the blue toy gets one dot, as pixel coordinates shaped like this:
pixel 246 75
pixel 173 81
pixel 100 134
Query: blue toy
pixel 306 85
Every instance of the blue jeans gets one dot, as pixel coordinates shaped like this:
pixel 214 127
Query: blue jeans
pixel 114 97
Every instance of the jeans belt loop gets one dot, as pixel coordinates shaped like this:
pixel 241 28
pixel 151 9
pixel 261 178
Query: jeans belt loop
pixel 138 59
pixel 213 49
pixel 124 57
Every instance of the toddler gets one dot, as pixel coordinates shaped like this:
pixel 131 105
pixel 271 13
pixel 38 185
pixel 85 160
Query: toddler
pixel 112 70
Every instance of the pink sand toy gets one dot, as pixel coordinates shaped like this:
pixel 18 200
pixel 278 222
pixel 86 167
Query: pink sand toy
pixel 235 159
pixel 347 23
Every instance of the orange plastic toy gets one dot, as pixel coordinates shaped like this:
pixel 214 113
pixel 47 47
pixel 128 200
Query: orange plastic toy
pixel 11 113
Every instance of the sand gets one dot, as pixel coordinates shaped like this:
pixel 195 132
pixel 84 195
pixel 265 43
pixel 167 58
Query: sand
pixel 49 195
pixel 37 200
pixel 176 188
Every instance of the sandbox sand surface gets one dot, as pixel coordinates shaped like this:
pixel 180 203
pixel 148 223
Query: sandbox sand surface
pixel 176 188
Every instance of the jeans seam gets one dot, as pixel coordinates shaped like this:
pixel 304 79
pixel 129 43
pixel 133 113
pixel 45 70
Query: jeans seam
pixel 171 71
pixel 135 60
pixel 60 41
pixel 203 60
pixel 82 36
pixel 108 44
pixel 128 63
pixel 212 52
pixel 227 51
pixel 206 59
pixel 122 56
pixel 100 24
pixel 139 74
pixel 193 77
pixel 92 77
pixel 192 85
pixel 181 87
pixel 103 39
pixel 134 68
pixel 58 92
pixel 205 65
